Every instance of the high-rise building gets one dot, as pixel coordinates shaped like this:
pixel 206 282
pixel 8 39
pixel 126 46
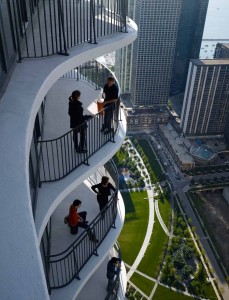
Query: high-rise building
pixel 123 58
pixel 221 50
pixel 144 69
pixel 153 51
pixel 189 38
pixel 42 167
pixel 206 101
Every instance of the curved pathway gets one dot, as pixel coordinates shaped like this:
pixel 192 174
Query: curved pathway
pixel 149 231
pixel 160 218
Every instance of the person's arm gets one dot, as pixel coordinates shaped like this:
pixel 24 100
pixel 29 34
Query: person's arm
pixel 95 189
pixel 112 187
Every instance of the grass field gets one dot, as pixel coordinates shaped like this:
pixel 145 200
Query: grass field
pixel 163 293
pixel 144 284
pixel 154 164
pixel 135 226
pixel 165 210
pixel 151 261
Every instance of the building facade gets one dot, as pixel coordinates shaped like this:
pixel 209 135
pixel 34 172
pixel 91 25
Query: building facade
pixel 44 56
pixel 153 51
pixel 206 101
pixel 188 43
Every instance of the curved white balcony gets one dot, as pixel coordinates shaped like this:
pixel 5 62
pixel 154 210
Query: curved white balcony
pixel 29 84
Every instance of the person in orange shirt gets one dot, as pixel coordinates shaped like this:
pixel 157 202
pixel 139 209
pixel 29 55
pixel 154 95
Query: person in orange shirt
pixel 76 220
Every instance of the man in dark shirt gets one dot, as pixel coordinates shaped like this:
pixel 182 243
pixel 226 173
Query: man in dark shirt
pixel 110 99
pixel 113 268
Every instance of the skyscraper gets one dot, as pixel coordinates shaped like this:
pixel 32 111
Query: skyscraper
pixel 189 37
pixel 166 29
pixel 154 49
pixel 206 101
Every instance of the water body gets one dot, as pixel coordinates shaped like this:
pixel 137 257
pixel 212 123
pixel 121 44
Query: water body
pixel 216 27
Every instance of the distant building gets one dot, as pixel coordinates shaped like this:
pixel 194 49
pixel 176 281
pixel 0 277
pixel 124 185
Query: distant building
pixel 206 101
pixel 153 51
pixel 146 119
pixel 189 38
pixel 221 51
pixel 177 147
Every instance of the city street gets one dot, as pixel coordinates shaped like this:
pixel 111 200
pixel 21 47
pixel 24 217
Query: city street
pixel 181 186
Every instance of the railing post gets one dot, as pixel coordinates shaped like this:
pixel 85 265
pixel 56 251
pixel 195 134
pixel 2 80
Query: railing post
pixel 61 28
pixel 75 264
pixel 92 21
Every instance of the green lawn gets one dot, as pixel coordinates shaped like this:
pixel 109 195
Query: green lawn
pixel 135 226
pixel 149 153
pixel 165 211
pixel 151 261
pixel 163 293
pixel 144 284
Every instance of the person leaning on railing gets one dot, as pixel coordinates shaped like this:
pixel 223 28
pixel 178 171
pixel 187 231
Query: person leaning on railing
pixel 110 95
pixel 77 118
pixel 103 191
pixel 113 269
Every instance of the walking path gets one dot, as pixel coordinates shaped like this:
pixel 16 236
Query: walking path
pixel 149 231
pixel 160 218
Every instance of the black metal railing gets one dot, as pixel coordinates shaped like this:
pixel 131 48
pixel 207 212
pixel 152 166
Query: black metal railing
pixel 47 27
pixel 113 293
pixel 62 268
pixel 60 156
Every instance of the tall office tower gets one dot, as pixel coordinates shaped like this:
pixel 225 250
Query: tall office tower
pixel 189 37
pixel 206 101
pixel 221 51
pixel 153 51
pixel 123 57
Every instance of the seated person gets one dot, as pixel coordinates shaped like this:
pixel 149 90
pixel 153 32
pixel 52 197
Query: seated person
pixel 76 220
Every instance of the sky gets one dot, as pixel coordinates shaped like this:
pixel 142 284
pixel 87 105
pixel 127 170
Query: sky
pixel 217 20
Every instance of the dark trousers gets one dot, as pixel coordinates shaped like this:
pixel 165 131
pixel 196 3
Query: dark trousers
pixel 102 202
pixel 108 117
pixel 110 284
pixel 80 143
pixel 74 229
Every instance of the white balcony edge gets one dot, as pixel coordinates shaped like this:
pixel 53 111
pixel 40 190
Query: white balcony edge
pixel 30 82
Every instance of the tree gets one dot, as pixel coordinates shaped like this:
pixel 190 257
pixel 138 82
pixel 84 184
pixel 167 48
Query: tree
pixel 170 105
pixel 179 261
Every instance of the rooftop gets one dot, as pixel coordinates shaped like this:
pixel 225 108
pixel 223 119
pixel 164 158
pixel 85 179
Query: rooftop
pixel 210 62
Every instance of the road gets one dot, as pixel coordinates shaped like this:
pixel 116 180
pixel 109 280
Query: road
pixel 181 186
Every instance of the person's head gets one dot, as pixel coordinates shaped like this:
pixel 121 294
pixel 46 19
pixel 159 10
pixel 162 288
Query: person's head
pixel 76 203
pixel 105 180
pixel 114 260
pixel 110 80
pixel 75 95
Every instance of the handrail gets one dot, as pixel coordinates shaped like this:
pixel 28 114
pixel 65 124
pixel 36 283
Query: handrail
pixel 65 266
pixel 44 28
pixel 59 156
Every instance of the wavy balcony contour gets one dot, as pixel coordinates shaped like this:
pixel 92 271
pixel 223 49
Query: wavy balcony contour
pixel 30 82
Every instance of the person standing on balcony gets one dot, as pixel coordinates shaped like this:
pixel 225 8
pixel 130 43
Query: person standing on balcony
pixel 103 191
pixel 77 121
pixel 113 269
pixel 76 220
pixel 110 94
